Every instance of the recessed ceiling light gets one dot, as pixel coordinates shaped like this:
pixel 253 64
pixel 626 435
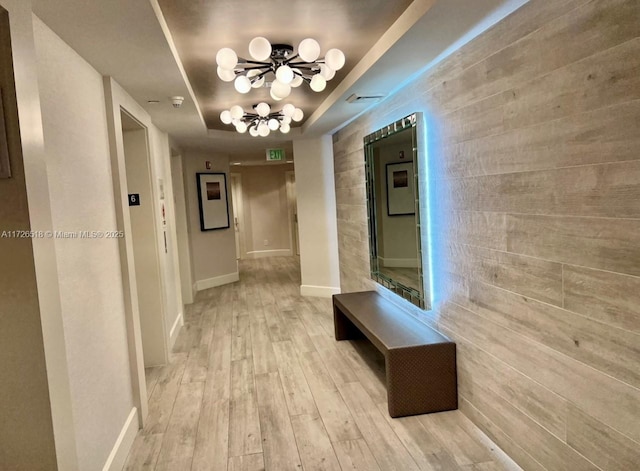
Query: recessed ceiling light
pixel 236 163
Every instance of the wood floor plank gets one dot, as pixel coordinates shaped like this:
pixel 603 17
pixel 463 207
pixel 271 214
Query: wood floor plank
pixel 386 447
pixel 264 359
pixel 244 428
pixel 355 455
pixel 426 450
pixel 334 412
pixel 253 462
pixel 164 395
pixel 179 440
pixel 144 453
pixel 297 393
pixel 151 376
pixel 241 345
pixel 313 442
pixel 212 441
pixel 278 441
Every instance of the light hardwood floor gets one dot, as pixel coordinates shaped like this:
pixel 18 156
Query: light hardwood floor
pixel 257 381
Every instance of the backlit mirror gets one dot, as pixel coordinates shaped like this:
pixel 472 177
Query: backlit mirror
pixel 393 157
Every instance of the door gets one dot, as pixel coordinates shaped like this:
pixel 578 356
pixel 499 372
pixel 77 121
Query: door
pixel 236 202
pixel 293 212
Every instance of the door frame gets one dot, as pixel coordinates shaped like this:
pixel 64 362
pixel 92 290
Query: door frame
pixel 290 177
pixel 239 217
pixel 117 101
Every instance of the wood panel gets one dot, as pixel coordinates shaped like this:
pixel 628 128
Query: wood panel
pixel 534 156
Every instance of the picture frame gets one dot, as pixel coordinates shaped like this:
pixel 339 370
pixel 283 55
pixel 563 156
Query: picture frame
pixel 213 201
pixel 5 162
pixel 401 200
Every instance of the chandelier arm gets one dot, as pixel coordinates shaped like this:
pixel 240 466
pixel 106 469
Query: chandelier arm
pixel 247 61
pixel 288 60
pixel 256 67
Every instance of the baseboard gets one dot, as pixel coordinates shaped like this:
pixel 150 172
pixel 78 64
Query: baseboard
pixel 217 281
pixel 118 455
pixel 399 262
pixel 269 253
pixel 318 291
pixel 175 330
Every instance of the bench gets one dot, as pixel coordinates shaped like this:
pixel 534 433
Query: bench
pixel 420 363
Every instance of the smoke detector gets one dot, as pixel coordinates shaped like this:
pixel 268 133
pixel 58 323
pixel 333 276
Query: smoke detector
pixel 355 98
pixel 177 101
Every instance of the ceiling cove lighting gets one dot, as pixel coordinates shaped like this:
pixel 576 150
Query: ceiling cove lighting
pixel 290 69
pixel 262 120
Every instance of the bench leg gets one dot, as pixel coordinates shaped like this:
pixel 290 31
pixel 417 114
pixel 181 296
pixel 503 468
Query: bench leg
pixel 344 328
pixel 421 380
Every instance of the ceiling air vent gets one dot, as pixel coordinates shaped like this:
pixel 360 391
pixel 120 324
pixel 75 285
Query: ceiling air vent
pixel 355 98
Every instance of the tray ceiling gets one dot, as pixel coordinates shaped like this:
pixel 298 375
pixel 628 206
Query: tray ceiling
pixel 199 29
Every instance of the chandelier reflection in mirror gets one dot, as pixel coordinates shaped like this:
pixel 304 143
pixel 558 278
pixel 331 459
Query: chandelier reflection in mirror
pixel 290 69
pixel 263 119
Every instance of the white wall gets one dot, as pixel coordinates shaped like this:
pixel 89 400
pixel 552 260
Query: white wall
pixel 76 144
pixel 266 217
pixel 213 253
pixel 317 216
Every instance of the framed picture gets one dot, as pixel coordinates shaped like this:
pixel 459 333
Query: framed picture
pixel 401 200
pixel 5 167
pixel 213 201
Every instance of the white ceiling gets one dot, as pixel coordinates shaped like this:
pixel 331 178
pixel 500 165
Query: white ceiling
pixel 130 41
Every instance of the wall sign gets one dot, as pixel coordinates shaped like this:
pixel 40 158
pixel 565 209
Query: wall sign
pixel 134 199
pixel 274 155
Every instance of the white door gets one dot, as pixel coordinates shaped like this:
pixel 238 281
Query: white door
pixel 293 212
pixel 236 199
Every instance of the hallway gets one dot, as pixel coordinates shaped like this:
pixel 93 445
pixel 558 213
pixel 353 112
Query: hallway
pixel 257 381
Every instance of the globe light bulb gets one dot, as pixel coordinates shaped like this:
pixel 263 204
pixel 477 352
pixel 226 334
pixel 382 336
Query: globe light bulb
pixel 263 109
pixel 260 48
pixel 263 129
pixel 327 72
pixel 236 112
pixel 297 81
pixel 273 124
pixel 284 74
pixel 226 75
pixel 253 131
pixel 225 117
pixel 280 89
pixel 286 119
pixel 242 84
pixel 334 59
pixel 309 50
pixel 288 109
pixel 274 96
pixel 241 127
pixel 227 58
pixel 318 83
pixel 285 128
pixel 298 115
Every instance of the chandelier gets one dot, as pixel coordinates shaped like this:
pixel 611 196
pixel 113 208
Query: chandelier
pixel 290 69
pixel 262 120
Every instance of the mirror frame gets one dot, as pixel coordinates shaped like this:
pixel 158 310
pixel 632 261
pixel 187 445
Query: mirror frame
pixel 414 121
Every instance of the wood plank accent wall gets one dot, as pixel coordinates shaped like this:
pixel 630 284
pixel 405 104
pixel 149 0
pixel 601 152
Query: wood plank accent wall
pixel 533 132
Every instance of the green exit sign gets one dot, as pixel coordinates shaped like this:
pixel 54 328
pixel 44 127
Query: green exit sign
pixel 275 154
